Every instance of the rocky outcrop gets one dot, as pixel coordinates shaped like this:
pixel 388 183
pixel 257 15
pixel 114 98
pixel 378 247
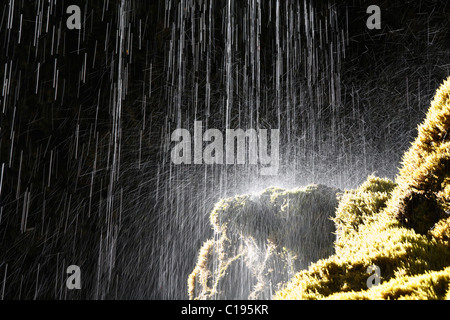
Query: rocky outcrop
pixel 261 240
pixel 402 228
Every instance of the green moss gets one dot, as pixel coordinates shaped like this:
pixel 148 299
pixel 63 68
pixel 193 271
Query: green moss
pixel 403 228
pixel 262 240
pixel 431 285
pixel 282 216
pixel 359 207
pixel 421 198
pixel 201 273
pixel 441 231
pixel 395 250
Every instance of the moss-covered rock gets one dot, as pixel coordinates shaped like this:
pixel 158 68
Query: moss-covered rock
pixel 357 208
pixel 262 240
pixel 430 285
pixel 422 196
pixel 402 228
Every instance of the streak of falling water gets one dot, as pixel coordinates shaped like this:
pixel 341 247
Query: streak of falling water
pixel 108 245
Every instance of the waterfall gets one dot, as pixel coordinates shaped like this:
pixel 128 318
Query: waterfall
pixel 87 116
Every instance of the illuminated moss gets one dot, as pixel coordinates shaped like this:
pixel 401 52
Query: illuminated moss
pixel 262 240
pixel 395 250
pixel 441 231
pixel 403 228
pixel 421 198
pixel 359 207
pixel 201 273
pixel 431 285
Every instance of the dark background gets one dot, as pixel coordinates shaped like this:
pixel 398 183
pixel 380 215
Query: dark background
pixel 86 180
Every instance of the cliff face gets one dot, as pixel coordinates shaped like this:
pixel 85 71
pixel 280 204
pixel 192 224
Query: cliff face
pixel 402 228
pixel 261 241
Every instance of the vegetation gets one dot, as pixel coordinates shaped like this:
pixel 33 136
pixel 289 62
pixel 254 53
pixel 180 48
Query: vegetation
pixel 403 228
pixel 260 241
